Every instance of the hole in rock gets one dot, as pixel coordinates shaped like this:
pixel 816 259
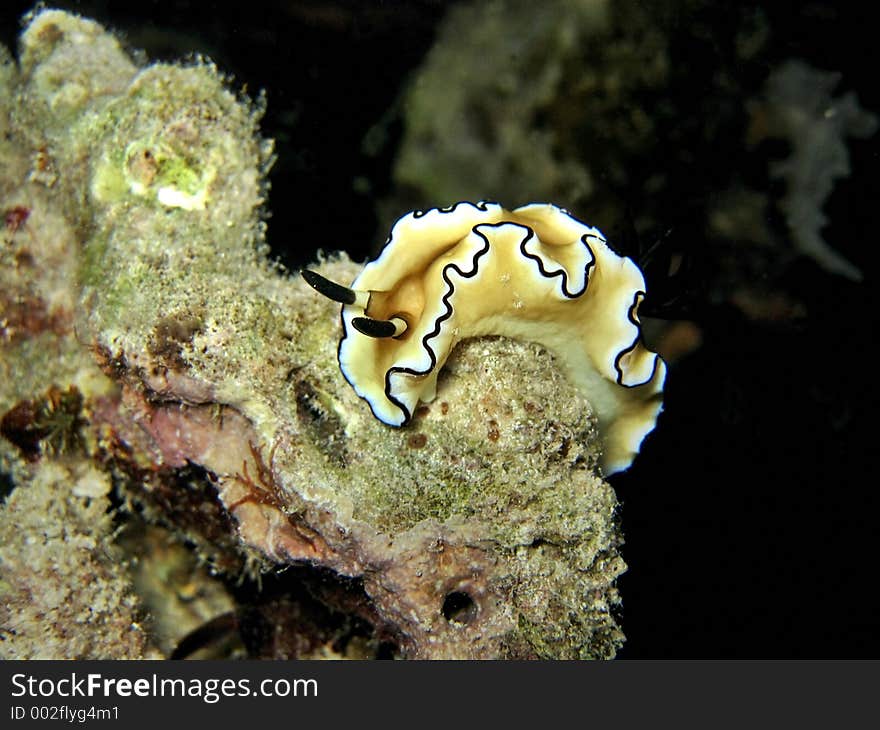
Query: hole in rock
pixel 459 608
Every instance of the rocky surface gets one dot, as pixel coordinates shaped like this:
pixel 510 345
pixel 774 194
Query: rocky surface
pixel 150 348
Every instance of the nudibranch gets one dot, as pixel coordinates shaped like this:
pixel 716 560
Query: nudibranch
pixel 535 273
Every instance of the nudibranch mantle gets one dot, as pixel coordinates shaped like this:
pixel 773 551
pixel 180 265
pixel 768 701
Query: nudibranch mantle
pixel 536 274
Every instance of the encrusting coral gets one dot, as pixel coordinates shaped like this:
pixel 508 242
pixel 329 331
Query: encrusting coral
pixel 205 387
pixel 63 584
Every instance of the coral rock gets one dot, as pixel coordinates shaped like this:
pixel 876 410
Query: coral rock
pixel 212 395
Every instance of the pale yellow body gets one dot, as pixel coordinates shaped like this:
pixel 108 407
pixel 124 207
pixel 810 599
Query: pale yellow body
pixel 533 274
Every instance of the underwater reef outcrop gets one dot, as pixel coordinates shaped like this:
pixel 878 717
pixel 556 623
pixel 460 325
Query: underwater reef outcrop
pixel 157 368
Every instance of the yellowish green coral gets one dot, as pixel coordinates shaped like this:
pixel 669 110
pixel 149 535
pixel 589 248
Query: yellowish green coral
pixel 222 362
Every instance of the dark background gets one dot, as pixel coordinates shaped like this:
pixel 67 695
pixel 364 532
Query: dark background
pixel 751 517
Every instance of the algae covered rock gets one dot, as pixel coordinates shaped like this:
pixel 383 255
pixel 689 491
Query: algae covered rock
pixel 211 397
pixel 65 592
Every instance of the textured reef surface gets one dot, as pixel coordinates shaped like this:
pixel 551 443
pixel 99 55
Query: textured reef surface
pixel 175 428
